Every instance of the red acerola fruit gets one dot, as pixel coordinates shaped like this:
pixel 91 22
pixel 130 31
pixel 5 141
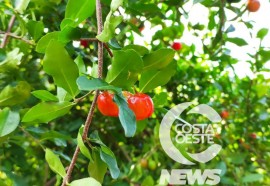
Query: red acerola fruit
pixel 224 114
pixel 253 5
pixel 142 105
pixel 106 105
pixel 84 43
pixel 253 135
pixel 177 46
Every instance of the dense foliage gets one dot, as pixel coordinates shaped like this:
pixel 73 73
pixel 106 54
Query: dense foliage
pixel 49 70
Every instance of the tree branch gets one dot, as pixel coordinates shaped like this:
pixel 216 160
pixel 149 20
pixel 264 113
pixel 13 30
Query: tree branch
pixel 93 105
pixel 10 25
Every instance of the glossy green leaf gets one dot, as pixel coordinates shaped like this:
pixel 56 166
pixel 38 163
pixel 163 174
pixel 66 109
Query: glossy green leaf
pixel 115 4
pixel 262 33
pixel 61 67
pixel 153 78
pixel 55 163
pixel 94 84
pixel 126 66
pixel 45 40
pixel 252 178
pixel 126 116
pixel 148 181
pixel 113 43
pixel 138 48
pixel 237 41
pixel 80 64
pixel 108 157
pixel 47 111
pixel 14 95
pixel 110 24
pixel 68 34
pixel 63 95
pixel 158 59
pixel 78 11
pixel 35 29
pixel 44 95
pixel 97 168
pixel 9 121
pixel 83 148
pixel 85 182
pixel 21 5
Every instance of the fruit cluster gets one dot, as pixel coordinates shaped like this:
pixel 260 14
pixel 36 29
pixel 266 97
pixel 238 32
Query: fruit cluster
pixel 141 104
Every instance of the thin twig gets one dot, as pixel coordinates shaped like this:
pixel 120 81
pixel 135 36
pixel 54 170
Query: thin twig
pixel 84 96
pixel 93 105
pixel 20 38
pixel 10 25
pixel 108 49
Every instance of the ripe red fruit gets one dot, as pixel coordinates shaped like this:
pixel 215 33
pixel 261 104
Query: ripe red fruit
pixel 253 5
pixel 253 135
pixel 142 105
pixel 224 114
pixel 84 43
pixel 177 46
pixel 106 105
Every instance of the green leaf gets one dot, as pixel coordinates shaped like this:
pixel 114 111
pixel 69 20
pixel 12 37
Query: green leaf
pixel 44 95
pixel 78 11
pixel 126 116
pixel 148 181
pixel 108 157
pixel 47 111
pixel 237 41
pixel 82 146
pixel 61 67
pixel 110 24
pixel 9 121
pixel 252 178
pixel 35 29
pixel 55 163
pixel 21 5
pixel 126 66
pixel 11 62
pixel 97 168
pixel 160 99
pixel 68 34
pixel 14 95
pixel 80 64
pixel 114 44
pixel 63 95
pixel 223 167
pixel 140 49
pixel 158 59
pixel 262 33
pixel 115 4
pixel 153 78
pixel 94 84
pixel 45 40
pixel 85 182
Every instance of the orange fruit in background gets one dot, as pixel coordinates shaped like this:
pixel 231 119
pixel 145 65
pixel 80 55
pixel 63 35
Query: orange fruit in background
pixel 253 5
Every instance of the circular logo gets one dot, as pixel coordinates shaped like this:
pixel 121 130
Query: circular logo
pixel 189 133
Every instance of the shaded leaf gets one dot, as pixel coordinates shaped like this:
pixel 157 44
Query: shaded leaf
pixel 108 157
pixel 95 84
pixel 237 41
pixel 35 29
pixel 140 49
pixel 126 116
pixel 252 178
pixel 82 146
pixel 13 95
pixel 45 40
pixel 97 168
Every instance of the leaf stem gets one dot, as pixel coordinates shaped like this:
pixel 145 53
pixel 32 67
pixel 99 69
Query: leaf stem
pixel 10 25
pixel 93 105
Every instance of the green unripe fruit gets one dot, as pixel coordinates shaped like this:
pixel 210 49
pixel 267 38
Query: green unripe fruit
pixel 152 165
